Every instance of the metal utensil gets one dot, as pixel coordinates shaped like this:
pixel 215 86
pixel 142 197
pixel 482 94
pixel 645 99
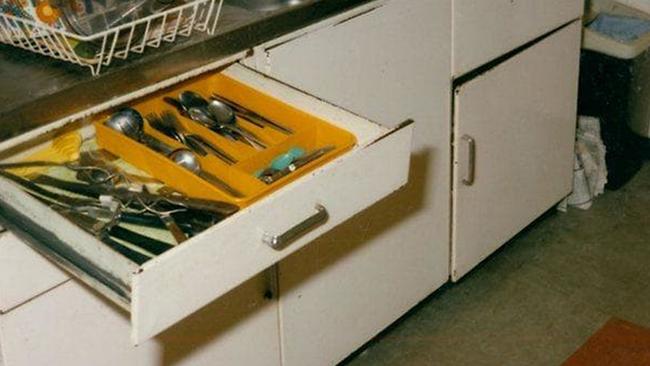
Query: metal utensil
pixel 191 99
pixel 96 174
pixel 212 149
pixel 108 220
pixel 217 116
pixel 222 112
pixel 188 160
pixel 130 123
pixel 203 117
pixel 226 117
pixel 198 113
pixel 193 140
pixel 73 209
pixel 251 116
pixel 151 217
pixel 174 229
pixel 127 121
pixel 156 121
pixel 298 163
pixel 177 105
pixel 91 226
pixel 163 126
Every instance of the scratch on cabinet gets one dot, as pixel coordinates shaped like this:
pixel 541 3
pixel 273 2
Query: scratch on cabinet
pixel 258 59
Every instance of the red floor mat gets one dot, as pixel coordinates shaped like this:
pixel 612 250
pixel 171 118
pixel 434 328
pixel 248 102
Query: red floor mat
pixel 617 343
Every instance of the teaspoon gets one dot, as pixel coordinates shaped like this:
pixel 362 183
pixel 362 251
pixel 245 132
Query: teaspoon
pixel 188 160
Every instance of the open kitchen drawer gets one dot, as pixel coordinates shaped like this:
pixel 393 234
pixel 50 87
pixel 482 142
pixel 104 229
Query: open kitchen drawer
pixel 169 287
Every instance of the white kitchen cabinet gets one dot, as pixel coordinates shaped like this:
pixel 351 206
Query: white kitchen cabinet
pixel 345 281
pixel 485 30
pixel 24 274
pixel 388 64
pixel 72 326
pixel 514 129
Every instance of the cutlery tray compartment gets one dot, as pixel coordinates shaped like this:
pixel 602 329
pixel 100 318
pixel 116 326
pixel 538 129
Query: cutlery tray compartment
pixel 310 133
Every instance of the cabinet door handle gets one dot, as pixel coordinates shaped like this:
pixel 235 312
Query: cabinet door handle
pixel 471 160
pixel 279 242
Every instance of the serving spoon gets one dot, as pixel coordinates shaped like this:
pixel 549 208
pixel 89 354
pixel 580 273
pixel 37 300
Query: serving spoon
pixel 188 160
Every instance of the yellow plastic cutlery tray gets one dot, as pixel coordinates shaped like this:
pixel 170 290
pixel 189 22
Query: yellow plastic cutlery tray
pixel 309 133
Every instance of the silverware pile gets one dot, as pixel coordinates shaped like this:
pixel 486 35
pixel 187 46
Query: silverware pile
pixel 102 199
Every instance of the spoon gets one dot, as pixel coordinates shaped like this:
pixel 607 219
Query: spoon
pixel 197 115
pixel 191 99
pixel 217 115
pixel 127 121
pixel 252 116
pixel 163 125
pixel 224 115
pixel 176 104
pixel 222 112
pixel 130 123
pixel 194 140
pixel 188 160
pixel 229 131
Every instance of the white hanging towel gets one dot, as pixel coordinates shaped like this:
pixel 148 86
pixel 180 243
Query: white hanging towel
pixel 590 169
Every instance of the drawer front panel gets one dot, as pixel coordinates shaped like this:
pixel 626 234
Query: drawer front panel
pixel 484 30
pixel 204 270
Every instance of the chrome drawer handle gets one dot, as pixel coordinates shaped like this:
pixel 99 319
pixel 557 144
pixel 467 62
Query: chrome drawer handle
pixel 279 242
pixel 471 157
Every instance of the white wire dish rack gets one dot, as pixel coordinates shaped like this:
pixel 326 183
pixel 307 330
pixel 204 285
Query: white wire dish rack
pixel 98 50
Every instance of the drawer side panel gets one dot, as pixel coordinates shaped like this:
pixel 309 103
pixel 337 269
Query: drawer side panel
pixel 65 243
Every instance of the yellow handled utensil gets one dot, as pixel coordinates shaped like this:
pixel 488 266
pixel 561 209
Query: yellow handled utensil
pixel 63 149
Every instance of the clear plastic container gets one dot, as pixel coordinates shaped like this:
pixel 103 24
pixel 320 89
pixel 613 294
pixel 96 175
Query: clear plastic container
pixel 90 17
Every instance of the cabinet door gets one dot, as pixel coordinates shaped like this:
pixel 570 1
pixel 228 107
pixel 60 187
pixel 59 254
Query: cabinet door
pixel 349 285
pixel 23 273
pixel 71 326
pixel 519 120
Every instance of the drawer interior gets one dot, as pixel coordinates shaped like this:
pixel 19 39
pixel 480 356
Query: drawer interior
pixel 156 172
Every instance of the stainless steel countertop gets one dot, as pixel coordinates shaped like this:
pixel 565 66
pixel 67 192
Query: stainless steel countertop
pixel 36 90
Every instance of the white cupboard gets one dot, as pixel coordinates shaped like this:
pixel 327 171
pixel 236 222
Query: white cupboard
pixel 72 326
pixel 476 178
pixel 24 274
pixel 514 129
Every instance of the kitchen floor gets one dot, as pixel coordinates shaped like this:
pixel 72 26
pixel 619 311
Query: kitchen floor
pixel 539 298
